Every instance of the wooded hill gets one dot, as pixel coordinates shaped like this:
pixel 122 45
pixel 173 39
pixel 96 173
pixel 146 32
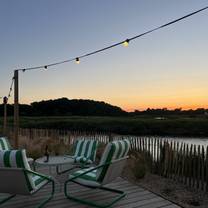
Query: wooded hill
pixel 81 107
pixel 66 107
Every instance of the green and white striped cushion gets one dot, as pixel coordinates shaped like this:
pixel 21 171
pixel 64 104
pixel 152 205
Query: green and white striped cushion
pixel 89 179
pixel 82 159
pixel 17 159
pixel 113 151
pixel 86 148
pixel 4 144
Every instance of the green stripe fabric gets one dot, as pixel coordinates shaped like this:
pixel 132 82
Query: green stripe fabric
pixel 89 176
pixel 113 151
pixel 93 150
pixel 19 159
pixel 127 146
pixel 16 159
pixel 4 144
pixel 7 159
pixel 85 149
pixel 80 148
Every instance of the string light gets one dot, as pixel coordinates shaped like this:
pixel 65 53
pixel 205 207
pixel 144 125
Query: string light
pixel 126 43
pixel 77 60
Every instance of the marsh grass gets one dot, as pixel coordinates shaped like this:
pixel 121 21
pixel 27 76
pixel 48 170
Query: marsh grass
pixel 134 125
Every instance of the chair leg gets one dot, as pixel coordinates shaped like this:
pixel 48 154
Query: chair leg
pixel 7 199
pixel 49 197
pixel 121 195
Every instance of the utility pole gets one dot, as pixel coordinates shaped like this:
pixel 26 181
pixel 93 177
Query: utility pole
pixel 16 109
pixel 5 99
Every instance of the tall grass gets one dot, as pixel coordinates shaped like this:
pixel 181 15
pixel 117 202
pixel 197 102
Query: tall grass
pixel 171 126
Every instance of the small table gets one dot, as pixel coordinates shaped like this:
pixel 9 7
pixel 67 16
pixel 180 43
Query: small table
pixel 54 161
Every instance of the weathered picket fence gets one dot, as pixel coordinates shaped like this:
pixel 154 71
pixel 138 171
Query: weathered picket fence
pixel 182 162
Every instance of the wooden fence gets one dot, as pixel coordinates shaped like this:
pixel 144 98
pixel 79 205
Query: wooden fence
pixel 185 163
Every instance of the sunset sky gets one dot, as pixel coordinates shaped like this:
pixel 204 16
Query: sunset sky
pixel 167 68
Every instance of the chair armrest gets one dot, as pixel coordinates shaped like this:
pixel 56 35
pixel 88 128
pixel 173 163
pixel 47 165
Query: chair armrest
pixel 95 168
pixel 39 174
pixel 88 171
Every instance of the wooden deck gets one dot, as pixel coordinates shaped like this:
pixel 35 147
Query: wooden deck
pixel 136 196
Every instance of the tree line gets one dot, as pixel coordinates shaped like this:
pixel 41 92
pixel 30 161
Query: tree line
pixel 84 107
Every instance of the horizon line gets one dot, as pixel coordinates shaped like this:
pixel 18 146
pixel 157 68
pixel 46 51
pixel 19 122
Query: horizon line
pixel 128 109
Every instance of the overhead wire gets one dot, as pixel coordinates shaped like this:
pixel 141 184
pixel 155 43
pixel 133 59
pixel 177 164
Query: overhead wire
pixel 125 42
pixel 11 88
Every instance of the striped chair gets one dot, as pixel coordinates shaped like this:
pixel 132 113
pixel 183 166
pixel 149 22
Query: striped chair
pixel 5 145
pixel 85 151
pixel 16 177
pixel 84 154
pixel 109 168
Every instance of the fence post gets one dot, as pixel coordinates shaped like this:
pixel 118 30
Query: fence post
pixel 207 169
pixel 198 167
pixel 202 169
pixel 190 165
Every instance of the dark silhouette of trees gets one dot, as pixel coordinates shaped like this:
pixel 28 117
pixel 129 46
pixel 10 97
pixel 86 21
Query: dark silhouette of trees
pixel 81 107
pixel 66 107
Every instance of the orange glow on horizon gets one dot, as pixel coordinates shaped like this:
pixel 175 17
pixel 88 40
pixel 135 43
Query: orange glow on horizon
pixel 185 107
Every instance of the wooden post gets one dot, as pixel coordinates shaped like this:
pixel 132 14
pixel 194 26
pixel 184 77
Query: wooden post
pixel 16 109
pixel 5 115
pixel 206 164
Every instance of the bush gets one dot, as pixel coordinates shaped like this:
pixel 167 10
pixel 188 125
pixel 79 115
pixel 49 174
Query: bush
pixel 138 164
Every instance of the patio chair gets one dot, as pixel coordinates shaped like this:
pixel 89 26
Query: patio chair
pixel 109 168
pixel 5 145
pixel 84 154
pixel 16 177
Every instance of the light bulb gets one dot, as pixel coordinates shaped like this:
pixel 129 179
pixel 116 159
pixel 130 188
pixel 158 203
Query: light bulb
pixel 77 60
pixel 126 43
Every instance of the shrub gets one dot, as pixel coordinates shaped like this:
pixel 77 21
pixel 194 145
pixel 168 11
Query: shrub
pixel 138 164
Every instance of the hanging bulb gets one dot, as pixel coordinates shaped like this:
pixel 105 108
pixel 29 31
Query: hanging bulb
pixel 45 68
pixel 126 43
pixel 77 60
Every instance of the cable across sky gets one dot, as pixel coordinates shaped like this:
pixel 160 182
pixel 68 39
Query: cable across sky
pixel 10 90
pixel 124 42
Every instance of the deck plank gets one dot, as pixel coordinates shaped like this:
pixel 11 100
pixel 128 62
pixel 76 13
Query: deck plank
pixel 135 196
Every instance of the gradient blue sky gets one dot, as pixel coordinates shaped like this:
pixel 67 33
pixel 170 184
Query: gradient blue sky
pixel 167 68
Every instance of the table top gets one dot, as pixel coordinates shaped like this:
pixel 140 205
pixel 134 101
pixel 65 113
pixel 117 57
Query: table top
pixel 55 160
